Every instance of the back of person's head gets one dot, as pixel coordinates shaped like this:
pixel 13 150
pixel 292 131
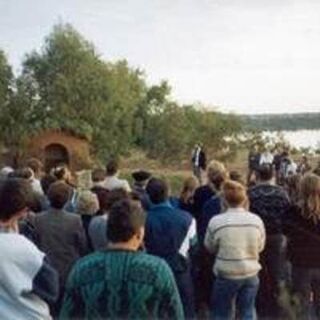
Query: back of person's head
pixel 35 164
pixel 61 173
pixel 114 196
pixel 234 194
pixel 235 175
pixel 310 197
pixel 103 199
pixel 158 190
pixel 15 195
pixel 58 194
pixel 112 167
pixel 23 173
pixel 87 203
pixel 126 219
pixel 265 173
pixel 189 186
pixel 217 173
pixel 293 187
pixel 141 177
pixel 46 181
pixel 98 175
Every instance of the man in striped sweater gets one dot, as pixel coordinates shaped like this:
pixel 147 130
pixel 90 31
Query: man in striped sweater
pixel 236 237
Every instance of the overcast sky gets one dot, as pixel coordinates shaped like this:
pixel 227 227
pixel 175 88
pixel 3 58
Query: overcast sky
pixel 246 56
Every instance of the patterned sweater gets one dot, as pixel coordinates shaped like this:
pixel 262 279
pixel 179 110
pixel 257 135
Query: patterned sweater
pixel 120 284
pixel 236 237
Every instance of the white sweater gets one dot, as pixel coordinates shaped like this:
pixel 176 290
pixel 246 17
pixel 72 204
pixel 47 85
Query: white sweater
pixel 20 264
pixel 236 237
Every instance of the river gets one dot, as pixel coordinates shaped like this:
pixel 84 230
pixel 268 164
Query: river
pixel 300 138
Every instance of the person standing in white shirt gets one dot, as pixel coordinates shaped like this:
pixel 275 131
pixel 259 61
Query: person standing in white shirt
pixel 266 158
pixel 112 181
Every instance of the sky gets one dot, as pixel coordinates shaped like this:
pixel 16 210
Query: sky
pixel 243 56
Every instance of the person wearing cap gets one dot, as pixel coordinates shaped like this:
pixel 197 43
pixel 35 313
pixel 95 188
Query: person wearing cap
pixel 141 178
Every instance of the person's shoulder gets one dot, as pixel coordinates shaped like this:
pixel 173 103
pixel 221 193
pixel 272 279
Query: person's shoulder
pixel 152 262
pixel 201 189
pixel 41 216
pixel 219 220
pixel 23 247
pixel 88 262
pixel 254 218
pixel 71 215
pixel 213 201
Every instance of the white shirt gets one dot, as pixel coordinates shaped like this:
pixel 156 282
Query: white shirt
pixel 266 158
pixel 113 182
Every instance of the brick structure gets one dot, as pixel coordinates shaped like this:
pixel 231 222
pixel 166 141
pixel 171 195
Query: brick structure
pixel 54 147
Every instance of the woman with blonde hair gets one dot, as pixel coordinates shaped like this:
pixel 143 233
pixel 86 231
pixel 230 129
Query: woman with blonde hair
pixel 302 226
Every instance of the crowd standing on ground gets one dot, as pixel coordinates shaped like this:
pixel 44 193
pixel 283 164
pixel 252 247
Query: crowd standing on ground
pixel 228 246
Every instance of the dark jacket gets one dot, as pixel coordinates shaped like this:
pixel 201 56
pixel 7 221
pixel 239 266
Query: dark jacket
pixel 253 160
pixel 304 240
pixel 211 208
pixel 270 203
pixel 61 236
pixel 166 230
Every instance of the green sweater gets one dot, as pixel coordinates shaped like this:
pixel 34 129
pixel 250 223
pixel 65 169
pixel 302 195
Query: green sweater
pixel 118 284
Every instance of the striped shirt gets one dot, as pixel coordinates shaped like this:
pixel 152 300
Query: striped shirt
pixel 236 238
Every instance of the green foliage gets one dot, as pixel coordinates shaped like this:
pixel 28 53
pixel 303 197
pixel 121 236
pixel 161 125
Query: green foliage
pixel 6 78
pixel 67 86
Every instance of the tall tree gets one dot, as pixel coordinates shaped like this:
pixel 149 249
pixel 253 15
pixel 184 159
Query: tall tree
pixel 78 91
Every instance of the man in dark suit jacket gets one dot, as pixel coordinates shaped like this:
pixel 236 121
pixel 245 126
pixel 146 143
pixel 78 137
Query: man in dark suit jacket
pixel 199 161
pixel 60 234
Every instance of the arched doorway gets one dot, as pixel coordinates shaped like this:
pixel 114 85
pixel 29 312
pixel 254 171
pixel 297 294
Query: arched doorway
pixel 55 155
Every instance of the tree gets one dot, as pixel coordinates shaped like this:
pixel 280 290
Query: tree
pixel 79 92
pixel 6 79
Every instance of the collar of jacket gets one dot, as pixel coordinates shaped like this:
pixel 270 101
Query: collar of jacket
pixel 165 204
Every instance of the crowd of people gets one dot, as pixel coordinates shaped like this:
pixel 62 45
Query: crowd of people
pixel 226 247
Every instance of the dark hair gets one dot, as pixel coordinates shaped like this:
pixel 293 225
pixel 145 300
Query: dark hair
pixel 60 173
pixel 15 195
pixel 158 190
pixel 98 175
pixel 112 167
pixel 47 181
pixel 59 194
pixel 115 196
pixel 236 176
pixel 265 173
pixel 35 164
pixel 103 198
pixel 125 219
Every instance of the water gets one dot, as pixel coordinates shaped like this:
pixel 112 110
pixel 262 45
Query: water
pixel 300 138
